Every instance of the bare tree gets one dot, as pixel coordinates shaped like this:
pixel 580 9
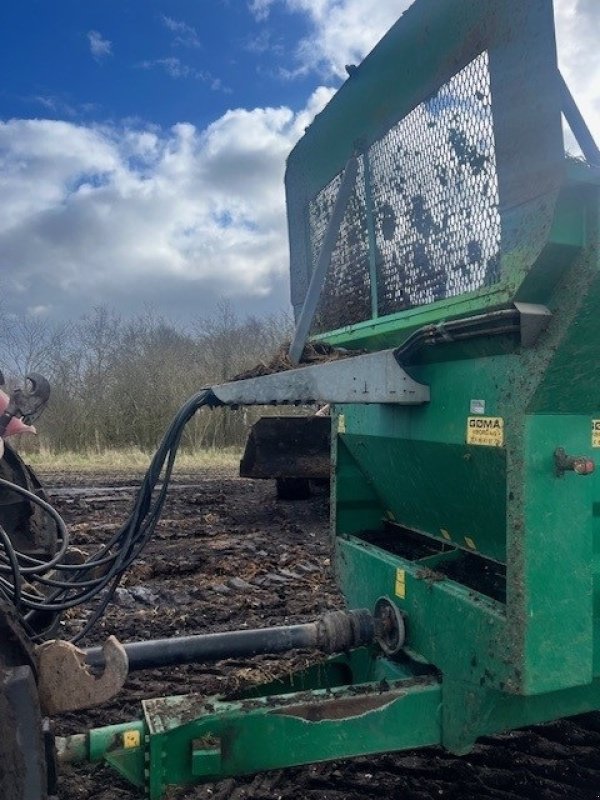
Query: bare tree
pixel 117 383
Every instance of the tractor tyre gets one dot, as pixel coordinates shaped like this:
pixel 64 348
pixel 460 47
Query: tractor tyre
pixel 27 769
pixel 292 488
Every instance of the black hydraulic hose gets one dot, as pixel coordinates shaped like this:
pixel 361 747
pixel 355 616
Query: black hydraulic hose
pixel 504 321
pixel 16 588
pixel 143 520
pixel 60 523
pixel 69 585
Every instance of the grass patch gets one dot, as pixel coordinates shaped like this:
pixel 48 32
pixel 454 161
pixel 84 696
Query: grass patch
pixel 131 458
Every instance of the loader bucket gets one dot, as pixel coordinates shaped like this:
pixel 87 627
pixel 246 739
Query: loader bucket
pixel 290 447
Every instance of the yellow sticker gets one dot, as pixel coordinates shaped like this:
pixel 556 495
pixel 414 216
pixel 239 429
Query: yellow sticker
pixel 131 739
pixel 596 433
pixel 485 431
pixel 341 424
pixel 401 583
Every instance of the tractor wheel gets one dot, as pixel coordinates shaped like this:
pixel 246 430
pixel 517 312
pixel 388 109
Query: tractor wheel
pixel 293 488
pixel 30 530
pixel 26 752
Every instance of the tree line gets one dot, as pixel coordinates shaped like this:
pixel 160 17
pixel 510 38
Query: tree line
pixel 117 382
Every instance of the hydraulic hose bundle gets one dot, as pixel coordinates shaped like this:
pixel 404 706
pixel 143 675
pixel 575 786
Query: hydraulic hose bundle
pixel 41 589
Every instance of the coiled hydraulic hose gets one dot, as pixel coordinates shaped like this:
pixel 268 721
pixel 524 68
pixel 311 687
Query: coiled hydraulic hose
pixel 62 585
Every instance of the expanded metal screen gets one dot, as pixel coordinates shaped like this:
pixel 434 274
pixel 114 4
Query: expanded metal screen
pixel 346 295
pixel 423 219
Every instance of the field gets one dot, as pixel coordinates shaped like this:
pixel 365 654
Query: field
pixel 229 555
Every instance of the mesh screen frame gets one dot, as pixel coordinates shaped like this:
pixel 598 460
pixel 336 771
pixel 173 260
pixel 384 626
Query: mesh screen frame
pixel 432 42
pixel 423 222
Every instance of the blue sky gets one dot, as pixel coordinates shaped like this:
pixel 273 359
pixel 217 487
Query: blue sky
pixel 148 60
pixel 143 142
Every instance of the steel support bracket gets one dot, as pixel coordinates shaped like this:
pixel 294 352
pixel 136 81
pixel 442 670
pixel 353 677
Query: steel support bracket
pixel 369 378
pixel 534 319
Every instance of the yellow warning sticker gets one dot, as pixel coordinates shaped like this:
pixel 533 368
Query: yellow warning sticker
pixel 341 425
pixel 596 433
pixel 485 431
pixel 131 739
pixel 401 583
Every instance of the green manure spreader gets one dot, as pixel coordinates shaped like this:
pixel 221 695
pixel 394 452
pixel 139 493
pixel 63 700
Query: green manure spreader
pixel 445 244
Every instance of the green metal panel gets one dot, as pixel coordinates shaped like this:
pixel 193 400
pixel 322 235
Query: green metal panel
pixel 418 465
pixel 552 579
pixel 440 613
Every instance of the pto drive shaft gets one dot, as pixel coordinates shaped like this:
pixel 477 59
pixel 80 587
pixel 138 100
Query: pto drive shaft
pixel 332 633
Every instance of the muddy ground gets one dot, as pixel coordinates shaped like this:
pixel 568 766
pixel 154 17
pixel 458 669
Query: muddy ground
pixel 228 555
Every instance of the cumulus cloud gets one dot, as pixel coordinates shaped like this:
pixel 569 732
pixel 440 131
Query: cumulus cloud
pixel 99 212
pixel 99 47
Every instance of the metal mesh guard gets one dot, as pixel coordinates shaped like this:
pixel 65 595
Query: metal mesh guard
pixel 423 217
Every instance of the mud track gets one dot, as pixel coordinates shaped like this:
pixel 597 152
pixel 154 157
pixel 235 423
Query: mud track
pixel 228 555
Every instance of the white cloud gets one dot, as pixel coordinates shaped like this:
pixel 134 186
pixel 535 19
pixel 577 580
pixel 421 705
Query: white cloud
pixel 176 68
pixel 263 42
pixel 59 106
pixel 99 47
pixel 578 34
pixel 173 66
pixel 260 8
pixel 183 34
pixel 92 211
pixel 344 31
pixel 39 311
